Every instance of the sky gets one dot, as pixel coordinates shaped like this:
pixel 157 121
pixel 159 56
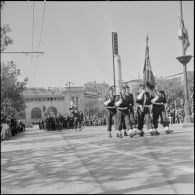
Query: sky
pixel 77 39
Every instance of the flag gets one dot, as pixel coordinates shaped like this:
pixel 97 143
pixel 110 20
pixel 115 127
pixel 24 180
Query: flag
pixel 148 76
pixel 183 34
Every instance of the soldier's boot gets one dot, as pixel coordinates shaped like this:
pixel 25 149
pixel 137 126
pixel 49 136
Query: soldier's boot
pixel 151 132
pixel 140 133
pixel 117 133
pixel 120 135
pixel 125 133
pixel 155 132
pixel 168 131
pixel 132 132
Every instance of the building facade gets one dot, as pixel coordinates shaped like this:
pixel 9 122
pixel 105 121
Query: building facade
pixel 38 100
pixel 100 88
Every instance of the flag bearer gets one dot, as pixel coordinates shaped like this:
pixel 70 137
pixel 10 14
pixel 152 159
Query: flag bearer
pixel 159 108
pixel 143 110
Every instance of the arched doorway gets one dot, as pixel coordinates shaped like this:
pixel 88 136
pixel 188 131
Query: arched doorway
pixel 36 113
pixel 52 110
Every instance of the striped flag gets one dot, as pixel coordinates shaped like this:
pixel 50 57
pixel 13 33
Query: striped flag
pixel 148 76
pixel 183 32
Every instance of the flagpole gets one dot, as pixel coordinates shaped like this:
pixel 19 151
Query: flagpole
pixel 187 118
pixel 113 64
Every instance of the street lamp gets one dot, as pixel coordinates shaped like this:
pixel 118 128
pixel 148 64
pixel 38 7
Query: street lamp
pixel 184 60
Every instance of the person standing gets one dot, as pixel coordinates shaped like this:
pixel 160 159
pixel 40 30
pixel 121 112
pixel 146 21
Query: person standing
pixel 123 111
pixel 143 110
pixel 109 103
pixel 81 118
pixel 133 129
pixel 159 108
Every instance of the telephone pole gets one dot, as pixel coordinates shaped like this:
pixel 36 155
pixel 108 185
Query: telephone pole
pixel 23 52
pixel 68 84
pixel 184 60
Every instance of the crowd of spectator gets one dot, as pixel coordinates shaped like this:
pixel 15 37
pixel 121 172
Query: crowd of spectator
pixel 10 126
pixel 96 121
pixel 175 114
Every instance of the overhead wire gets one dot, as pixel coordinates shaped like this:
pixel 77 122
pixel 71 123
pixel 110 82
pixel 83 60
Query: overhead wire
pixel 32 43
pixel 40 36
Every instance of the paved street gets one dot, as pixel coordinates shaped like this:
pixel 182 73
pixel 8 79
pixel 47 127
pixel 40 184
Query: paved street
pixel 39 161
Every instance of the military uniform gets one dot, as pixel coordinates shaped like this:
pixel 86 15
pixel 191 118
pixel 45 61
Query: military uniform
pixel 133 129
pixel 81 119
pixel 159 109
pixel 143 112
pixel 123 114
pixel 109 102
pixel 76 120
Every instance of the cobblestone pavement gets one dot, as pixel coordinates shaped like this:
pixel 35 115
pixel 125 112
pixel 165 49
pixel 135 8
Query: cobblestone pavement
pixel 39 162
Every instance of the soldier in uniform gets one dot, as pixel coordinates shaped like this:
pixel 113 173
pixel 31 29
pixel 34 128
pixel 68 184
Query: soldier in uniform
pixel 159 102
pixel 133 129
pixel 81 119
pixel 76 119
pixel 123 111
pixel 109 102
pixel 144 110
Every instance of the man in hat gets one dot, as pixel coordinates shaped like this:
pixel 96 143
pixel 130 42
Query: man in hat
pixel 143 110
pixel 123 111
pixel 109 102
pixel 159 104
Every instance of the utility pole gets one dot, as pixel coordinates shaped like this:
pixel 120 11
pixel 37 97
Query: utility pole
pixel 68 84
pixel 184 60
pixel 22 52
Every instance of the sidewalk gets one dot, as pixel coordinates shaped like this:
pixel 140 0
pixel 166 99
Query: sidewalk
pixel 39 161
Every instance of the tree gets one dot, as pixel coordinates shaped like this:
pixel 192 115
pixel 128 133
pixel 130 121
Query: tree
pixel 11 89
pixel 174 88
pixel 5 39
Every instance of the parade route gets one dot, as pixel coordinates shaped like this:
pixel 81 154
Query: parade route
pixel 40 162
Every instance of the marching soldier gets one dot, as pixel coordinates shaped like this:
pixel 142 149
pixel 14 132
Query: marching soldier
pixel 159 102
pixel 76 119
pixel 111 109
pixel 123 111
pixel 133 129
pixel 143 110
pixel 81 119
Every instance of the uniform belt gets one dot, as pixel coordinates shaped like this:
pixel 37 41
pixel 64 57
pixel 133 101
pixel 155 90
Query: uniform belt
pixel 145 106
pixel 111 107
pixel 156 104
